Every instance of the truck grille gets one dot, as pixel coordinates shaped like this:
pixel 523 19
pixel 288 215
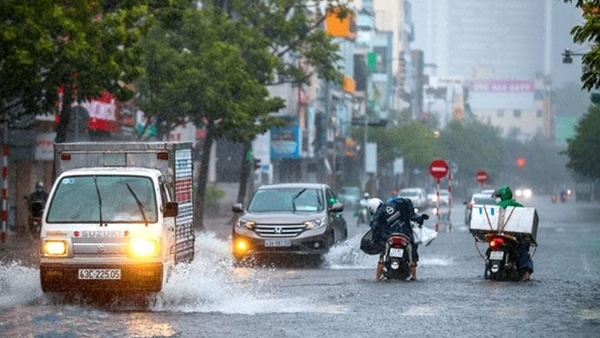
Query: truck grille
pixel 278 230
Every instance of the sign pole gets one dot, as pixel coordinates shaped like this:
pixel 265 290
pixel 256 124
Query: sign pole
pixel 438 169
pixel 449 200
pixel 437 204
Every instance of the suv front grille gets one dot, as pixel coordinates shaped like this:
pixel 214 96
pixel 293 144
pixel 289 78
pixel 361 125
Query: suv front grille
pixel 278 230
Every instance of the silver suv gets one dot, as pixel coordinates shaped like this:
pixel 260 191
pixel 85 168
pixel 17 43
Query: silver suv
pixel 292 218
pixel 418 196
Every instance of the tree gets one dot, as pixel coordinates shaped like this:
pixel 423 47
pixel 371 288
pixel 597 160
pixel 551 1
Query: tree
pixel 84 47
pixel 584 149
pixel 413 141
pixel 287 45
pixel 195 72
pixel 589 33
pixel 473 146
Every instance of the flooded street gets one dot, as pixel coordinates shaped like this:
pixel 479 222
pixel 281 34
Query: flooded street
pixel 212 298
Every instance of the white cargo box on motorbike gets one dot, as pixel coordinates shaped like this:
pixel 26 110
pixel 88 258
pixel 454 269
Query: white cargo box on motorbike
pixel 521 221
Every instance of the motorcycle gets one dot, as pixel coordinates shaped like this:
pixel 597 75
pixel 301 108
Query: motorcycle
pixel 563 197
pixel 363 215
pixel 396 259
pixel 398 253
pixel 502 257
pixel 36 210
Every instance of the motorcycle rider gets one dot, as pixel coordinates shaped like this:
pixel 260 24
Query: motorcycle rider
pixel 525 262
pixel 359 212
pixel 396 213
pixel 393 196
pixel 38 195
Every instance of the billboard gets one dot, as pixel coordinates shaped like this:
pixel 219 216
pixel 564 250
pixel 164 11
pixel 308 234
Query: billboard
pixel 502 94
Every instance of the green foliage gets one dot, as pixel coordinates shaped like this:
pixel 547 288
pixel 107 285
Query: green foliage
pixel 213 195
pixel 413 141
pixel 45 44
pixel 589 33
pixel 584 149
pixel 473 146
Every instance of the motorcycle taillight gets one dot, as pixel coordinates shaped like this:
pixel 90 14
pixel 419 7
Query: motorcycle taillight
pixel 497 242
pixel 397 240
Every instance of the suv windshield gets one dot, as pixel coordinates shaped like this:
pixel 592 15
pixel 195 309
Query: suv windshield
pixel 93 199
pixel 287 199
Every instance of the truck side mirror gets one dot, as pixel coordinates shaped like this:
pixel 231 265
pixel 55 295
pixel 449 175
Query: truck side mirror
pixel 171 209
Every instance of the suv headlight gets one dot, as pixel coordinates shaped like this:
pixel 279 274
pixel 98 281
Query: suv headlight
pixel 316 223
pixel 244 223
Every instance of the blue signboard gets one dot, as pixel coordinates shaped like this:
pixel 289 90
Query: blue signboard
pixel 285 141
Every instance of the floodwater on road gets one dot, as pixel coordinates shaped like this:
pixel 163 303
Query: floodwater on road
pixel 211 298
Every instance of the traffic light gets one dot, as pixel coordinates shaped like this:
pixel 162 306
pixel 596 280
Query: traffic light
pixel 521 162
pixel 256 164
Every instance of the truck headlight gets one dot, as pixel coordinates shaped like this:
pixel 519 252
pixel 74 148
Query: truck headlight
pixel 54 248
pixel 143 247
pixel 315 223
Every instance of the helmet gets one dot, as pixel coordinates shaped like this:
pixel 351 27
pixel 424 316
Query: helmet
pixel 39 184
pixel 366 195
pixel 374 204
pixel 504 193
pixel 394 192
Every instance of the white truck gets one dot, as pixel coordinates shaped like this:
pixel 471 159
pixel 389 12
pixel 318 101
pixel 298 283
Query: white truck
pixel 119 216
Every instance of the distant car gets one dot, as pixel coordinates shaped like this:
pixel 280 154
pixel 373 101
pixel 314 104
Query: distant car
pixel 478 198
pixel 418 196
pixel 444 198
pixel 350 196
pixel 523 193
pixel 293 218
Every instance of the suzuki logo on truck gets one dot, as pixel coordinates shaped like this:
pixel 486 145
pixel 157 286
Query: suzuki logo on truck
pixel 104 234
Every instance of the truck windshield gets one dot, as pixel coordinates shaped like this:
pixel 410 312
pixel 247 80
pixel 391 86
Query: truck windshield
pixel 77 200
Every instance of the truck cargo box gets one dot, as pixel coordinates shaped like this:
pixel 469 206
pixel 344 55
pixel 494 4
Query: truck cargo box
pixel 512 220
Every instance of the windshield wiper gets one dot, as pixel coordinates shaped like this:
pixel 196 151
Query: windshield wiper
pixel 99 199
pixel 139 203
pixel 296 195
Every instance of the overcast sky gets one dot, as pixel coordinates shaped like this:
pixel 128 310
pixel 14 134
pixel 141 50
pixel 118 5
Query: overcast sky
pixel 562 19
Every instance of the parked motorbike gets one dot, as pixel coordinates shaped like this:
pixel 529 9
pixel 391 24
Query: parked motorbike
pixel 502 258
pixel 36 210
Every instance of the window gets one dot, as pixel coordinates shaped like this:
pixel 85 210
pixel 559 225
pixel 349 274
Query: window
pixel 500 113
pixel 517 113
pixel 103 198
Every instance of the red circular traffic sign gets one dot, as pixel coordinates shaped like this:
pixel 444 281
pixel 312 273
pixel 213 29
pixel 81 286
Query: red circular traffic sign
pixel 438 169
pixel 481 176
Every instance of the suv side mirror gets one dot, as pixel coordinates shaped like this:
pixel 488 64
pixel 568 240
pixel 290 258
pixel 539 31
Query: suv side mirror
pixel 171 209
pixel 237 207
pixel 337 207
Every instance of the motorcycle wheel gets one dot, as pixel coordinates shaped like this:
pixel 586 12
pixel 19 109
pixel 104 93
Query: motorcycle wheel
pixel 402 273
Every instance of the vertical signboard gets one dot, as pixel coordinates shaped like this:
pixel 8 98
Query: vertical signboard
pixel 371 158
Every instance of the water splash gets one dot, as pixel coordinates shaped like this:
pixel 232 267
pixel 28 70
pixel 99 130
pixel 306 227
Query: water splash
pixel 18 285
